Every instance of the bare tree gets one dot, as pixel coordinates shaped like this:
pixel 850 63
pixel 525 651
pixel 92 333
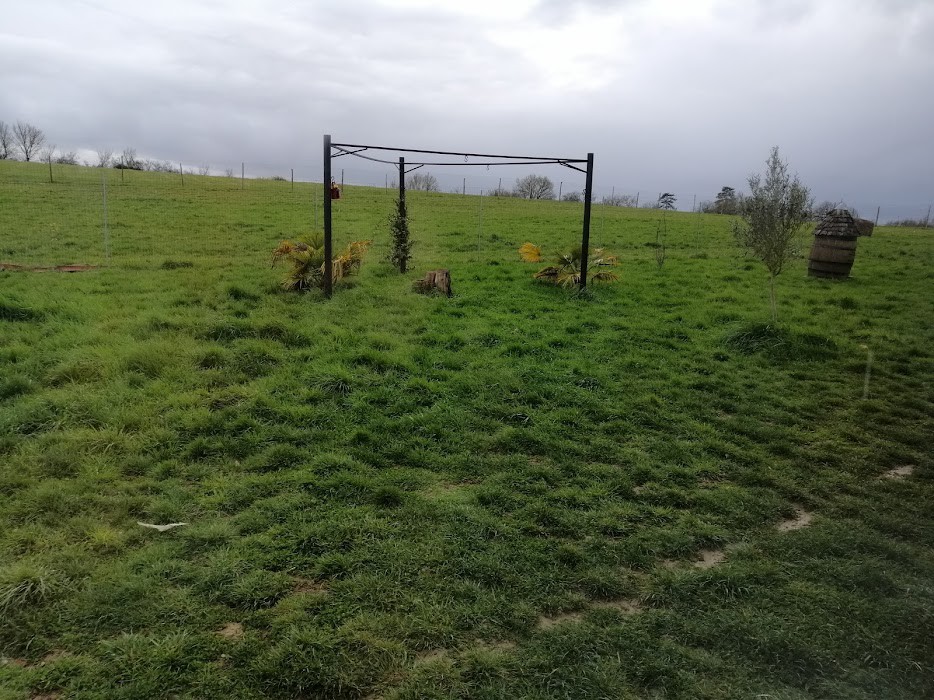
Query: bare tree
pixel 28 138
pixel 228 172
pixel 104 157
pixel 772 217
pixel 204 169
pixel 69 158
pixel 422 181
pixel 572 197
pixel 6 141
pixel 128 160
pixel 534 187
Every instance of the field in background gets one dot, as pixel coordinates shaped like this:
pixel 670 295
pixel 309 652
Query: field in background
pixel 511 493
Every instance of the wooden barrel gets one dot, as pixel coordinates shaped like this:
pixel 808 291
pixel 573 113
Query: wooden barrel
pixel 832 257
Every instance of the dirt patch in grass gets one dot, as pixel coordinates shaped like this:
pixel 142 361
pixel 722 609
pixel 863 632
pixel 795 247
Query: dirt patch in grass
pixel 899 473
pixel 624 606
pixel 710 558
pixel 430 655
pixel 232 630
pixel 802 519
pixel 308 585
pixel 546 622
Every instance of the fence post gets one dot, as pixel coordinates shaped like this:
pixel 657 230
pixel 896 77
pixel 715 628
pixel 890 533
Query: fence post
pixel 465 187
pixel 878 209
pixel 560 187
pixel 479 223
pixel 181 174
pixel 242 171
pixel 50 166
pixel 293 178
pixel 106 226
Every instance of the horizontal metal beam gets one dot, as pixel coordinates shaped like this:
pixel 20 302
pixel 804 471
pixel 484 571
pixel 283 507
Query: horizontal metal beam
pixel 459 153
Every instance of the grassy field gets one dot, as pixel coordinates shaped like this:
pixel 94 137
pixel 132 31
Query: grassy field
pixel 513 493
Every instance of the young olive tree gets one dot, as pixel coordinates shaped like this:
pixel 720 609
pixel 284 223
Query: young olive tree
pixel 777 207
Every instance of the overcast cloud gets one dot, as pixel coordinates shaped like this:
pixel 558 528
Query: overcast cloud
pixel 679 95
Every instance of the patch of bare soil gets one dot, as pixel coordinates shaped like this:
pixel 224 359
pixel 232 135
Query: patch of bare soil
pixel 232 630
pixel 624 606
pixel 426 657
pixel 899 473
pixel 308 585
pixel 709 558
pixel 546 623
pixel 802 519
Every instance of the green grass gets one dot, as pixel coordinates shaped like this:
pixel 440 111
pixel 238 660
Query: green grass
pixel 391 492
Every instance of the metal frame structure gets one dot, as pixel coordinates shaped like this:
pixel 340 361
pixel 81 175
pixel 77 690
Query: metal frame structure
pixel 352 149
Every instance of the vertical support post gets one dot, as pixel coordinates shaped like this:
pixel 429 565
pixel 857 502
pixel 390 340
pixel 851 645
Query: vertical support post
pixel 465 186
pixel 181 174
pixel 242 172
pixel 342 181
pixel 106 225
pixel 50 166
pixel 585 239
pixel 403 214
pixel 560 188
pixel 878 209
pixel 637 200
pixel 328 264
pixel 293 178
pixel 694 204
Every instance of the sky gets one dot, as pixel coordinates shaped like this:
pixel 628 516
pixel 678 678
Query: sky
pixel 683 96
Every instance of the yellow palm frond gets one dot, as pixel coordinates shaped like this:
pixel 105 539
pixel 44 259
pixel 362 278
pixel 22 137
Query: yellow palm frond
pixel 529 252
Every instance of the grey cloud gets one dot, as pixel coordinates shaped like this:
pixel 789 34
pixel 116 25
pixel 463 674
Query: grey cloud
pixel 688 108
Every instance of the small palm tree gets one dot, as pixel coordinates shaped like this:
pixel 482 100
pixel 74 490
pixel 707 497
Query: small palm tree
pixel 307 260
pixel 566 272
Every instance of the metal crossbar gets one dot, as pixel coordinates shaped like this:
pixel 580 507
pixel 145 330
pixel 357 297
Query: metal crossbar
pixel 356 149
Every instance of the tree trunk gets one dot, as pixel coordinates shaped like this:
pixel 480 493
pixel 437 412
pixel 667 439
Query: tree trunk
pixel 772 299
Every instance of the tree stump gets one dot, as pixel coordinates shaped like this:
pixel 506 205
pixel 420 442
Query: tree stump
pixel 439 280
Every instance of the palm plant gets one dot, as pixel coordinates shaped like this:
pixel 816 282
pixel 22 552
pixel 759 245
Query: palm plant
pixel 566 272
pixel 307 260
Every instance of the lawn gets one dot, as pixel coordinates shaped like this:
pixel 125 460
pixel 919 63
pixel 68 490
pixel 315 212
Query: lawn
pixel 513 493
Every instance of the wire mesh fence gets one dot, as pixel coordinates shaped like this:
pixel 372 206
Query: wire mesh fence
pixel 72 215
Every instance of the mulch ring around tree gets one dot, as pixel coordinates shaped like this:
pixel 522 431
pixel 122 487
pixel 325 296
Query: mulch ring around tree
pixel 41 268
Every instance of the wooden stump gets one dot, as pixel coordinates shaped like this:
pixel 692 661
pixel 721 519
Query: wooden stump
pixel 439 280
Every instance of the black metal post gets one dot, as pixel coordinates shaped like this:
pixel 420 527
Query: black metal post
pixel 401 185
pixel 328 269
pixel 402 212
pixel 585 239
